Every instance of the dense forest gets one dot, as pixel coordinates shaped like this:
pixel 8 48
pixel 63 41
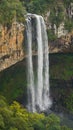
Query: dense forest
pixel 15 117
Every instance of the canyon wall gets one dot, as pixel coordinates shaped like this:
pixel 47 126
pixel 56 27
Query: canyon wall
pixel 11 44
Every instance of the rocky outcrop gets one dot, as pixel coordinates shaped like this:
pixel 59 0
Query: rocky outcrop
pixel 63 44
pixel 11 44
pixel 63 34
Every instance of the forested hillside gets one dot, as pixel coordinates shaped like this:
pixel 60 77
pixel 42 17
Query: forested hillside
pixel 17 8
pixel 15 117
pixel 57 12
pixel 11 10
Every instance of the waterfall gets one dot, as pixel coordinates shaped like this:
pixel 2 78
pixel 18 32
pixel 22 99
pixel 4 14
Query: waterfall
pixel 31 92
pixel 39 101
pixel 38 93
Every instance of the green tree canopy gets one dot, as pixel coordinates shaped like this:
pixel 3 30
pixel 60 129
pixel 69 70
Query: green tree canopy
pixel 10 10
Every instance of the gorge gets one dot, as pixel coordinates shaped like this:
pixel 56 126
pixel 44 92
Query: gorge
pixel 36 65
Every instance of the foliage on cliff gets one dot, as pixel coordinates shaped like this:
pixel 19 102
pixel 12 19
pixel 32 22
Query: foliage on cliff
pixel 16 9
pixel 58 10
pixel 15 117
pixel 10 11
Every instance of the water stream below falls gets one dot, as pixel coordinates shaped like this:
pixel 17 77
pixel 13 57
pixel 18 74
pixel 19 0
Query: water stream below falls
pixel 38 86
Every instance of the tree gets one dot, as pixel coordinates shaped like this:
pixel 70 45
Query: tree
pixel 57 15
pixel 69 25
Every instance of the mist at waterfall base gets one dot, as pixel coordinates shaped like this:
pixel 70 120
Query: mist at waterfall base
pixel 37 83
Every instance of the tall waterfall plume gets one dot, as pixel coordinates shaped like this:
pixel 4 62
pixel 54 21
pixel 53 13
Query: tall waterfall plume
pixel 38 92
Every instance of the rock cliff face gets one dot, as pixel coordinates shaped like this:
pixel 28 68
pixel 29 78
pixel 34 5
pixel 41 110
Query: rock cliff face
pixel 11 44
pixel 12 48
pixel 63 44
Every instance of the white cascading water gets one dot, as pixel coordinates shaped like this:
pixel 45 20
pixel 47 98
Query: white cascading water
pixel 39 101
pixel 31 92
pixel 46 100
pixel 38 93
